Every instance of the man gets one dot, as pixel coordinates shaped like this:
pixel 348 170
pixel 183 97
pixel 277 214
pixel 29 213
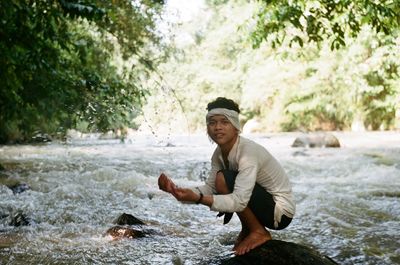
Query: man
pixel 245 178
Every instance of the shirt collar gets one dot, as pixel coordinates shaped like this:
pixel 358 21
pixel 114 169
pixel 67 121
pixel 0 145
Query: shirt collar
pixel 232 154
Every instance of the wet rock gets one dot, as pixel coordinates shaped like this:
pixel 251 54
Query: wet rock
pixel 382 159
pixel 40 137
pixel 19 188
pixel 252 126
pixel 128 219
pixel 14 185
pixel 20 219
pixel 128 226
pixel 300 153
pixel 8 240
pixel 316 140
pixel 118 232
pixel 170 145
pixel 277 252
pixel 3 215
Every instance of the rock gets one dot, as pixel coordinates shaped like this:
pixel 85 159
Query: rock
pixel 316 140
pixel 19 219
pixel 14 185
pixel 7 240
pixel 3 215
pixel 300 153
pixel 125 229
pixel 19 188
pixel 251 126
pixel 118 232
pixel 39 137
pixel 128 219
pixel 277 252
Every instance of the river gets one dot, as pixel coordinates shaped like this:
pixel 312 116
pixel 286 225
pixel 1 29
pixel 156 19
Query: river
pixel 347 199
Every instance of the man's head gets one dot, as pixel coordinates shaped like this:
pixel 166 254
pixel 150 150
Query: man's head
pixel 225 103
pixel 225 107
pixel 223 120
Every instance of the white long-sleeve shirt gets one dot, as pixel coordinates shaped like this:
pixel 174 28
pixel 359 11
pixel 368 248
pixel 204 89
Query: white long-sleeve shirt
pixel 255 165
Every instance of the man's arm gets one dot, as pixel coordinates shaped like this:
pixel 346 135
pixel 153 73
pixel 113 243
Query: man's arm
pixel 188 195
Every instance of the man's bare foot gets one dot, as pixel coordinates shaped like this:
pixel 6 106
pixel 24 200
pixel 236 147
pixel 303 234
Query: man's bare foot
pixel 253 240
pixel 242 235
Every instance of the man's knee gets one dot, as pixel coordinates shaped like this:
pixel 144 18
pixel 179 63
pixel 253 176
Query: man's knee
pixel 220 184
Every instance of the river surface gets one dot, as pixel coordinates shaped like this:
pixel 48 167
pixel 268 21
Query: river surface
pixel 348 204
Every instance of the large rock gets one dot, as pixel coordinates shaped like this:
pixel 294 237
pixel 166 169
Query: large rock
pixel 316 140
pixel 277 252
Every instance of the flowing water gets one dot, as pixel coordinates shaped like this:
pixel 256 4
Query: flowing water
pixel 347 198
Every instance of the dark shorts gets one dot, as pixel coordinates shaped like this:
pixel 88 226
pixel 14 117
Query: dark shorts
pixel 261 202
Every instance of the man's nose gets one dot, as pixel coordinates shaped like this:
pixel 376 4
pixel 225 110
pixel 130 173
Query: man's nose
pixel 218 125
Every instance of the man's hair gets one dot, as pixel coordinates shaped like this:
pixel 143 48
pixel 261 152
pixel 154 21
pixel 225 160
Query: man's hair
pixel 225 103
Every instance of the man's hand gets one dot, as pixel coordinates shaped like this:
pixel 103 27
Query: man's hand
pixel 187 195
pixel 181 194
pixel 166 184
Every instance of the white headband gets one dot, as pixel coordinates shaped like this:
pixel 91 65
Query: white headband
pixel 231 115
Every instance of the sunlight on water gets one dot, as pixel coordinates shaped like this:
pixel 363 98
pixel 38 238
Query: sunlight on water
pixel 347 201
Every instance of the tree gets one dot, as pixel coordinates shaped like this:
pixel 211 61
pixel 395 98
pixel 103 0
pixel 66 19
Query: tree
pixel 288 88
pixel 317 20
pixel 57 63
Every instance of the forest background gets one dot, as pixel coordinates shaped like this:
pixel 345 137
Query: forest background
pixel 97 66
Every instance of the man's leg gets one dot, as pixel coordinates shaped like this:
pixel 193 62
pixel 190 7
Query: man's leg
pixel 256 236
pixel 253 233
pixel 222 188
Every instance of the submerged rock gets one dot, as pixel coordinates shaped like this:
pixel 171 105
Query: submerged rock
pixel 40 138
pixel 19 188
pixel 316 140
pixel 118 232
pixel 15 185
pixel 277 252
pixel 7 240
pixel 20 219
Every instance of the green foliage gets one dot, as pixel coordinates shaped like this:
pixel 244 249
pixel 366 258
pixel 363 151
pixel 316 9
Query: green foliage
pixel 318 20
pixel 58 67
pixel 92 64
pixel 285 88
pixel 203 68
pixel 358 81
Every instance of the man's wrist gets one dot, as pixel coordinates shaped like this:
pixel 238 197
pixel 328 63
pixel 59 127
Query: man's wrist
pixel 201 195
pixel 200 198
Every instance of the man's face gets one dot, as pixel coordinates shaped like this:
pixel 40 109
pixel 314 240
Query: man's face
pixel 221 130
